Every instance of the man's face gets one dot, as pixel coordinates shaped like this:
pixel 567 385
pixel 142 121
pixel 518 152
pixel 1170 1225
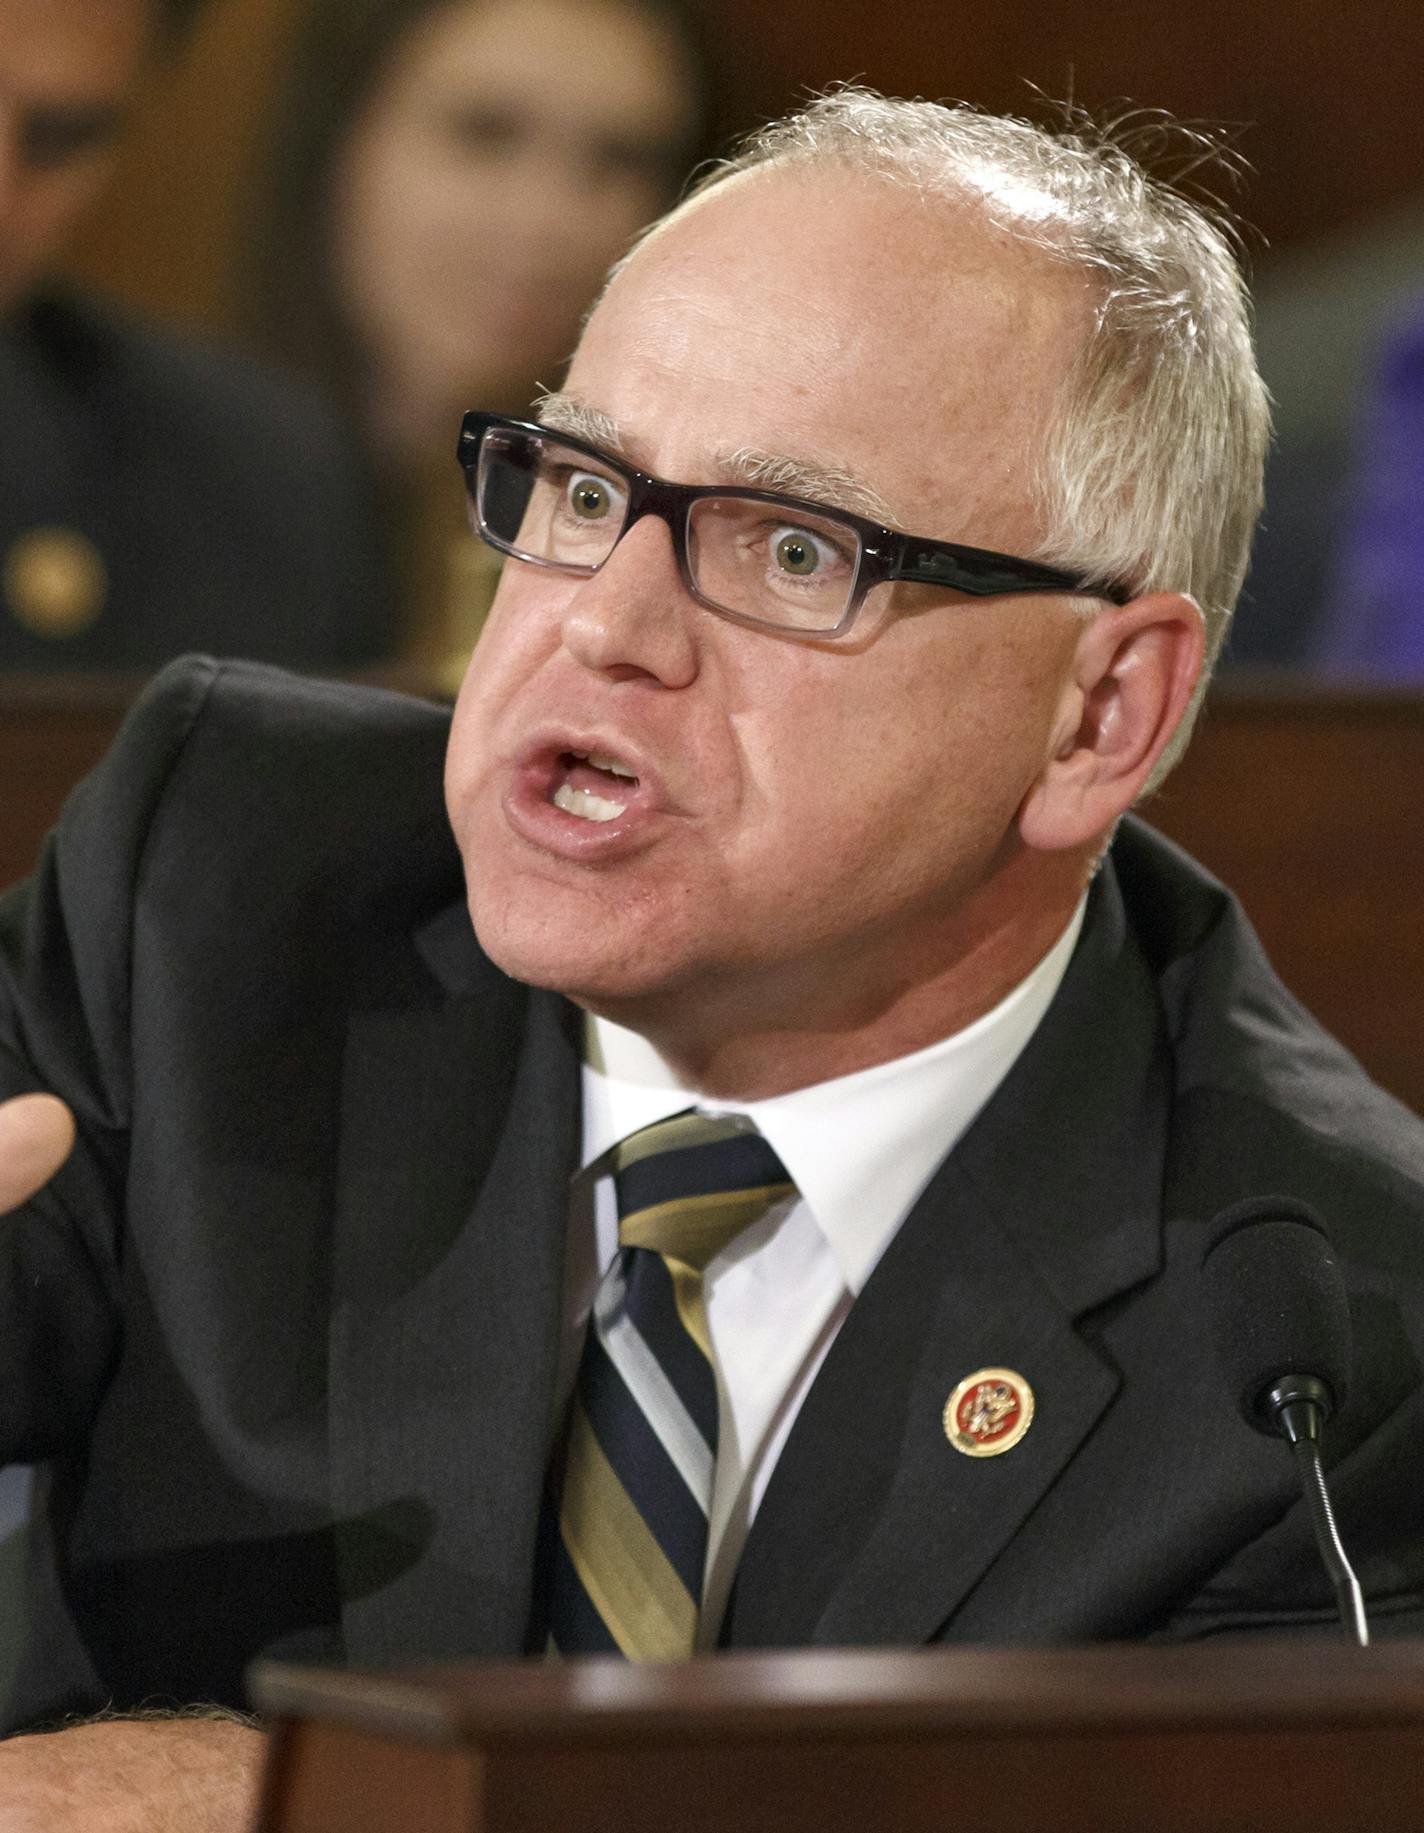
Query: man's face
pixel 813 825
pixel 67 71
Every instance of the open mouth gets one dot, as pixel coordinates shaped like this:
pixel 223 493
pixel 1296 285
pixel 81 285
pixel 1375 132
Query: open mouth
pixel 592 788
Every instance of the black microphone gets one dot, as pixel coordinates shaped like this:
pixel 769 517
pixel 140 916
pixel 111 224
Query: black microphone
pixel 1282 1327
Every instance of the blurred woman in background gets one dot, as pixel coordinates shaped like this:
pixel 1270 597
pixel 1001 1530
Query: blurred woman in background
pixel 452 179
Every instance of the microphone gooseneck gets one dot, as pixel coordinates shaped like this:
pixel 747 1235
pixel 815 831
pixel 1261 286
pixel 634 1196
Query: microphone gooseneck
pixel 1282 1328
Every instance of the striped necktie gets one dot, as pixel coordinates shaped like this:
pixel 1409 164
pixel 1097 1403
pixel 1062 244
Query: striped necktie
pixel 642 1439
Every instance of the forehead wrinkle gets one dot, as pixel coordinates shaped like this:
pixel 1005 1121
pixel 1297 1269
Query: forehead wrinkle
pixel 831 485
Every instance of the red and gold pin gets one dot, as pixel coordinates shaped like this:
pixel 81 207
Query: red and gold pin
pixel 988 1412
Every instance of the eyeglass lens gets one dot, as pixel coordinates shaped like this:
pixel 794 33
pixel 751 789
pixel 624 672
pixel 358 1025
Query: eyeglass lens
pixel 557 506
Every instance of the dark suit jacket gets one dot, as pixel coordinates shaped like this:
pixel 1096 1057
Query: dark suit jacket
pixel 224 509
pixel 285 1328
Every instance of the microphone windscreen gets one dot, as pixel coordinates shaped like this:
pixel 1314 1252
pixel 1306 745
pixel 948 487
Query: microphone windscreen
pixel 1277 1301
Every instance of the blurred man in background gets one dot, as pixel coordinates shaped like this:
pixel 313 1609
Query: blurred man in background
pixel 153 496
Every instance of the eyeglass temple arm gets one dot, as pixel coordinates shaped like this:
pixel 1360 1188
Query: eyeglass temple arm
pixel 987 575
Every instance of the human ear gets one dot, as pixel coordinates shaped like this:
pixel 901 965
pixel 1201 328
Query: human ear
pixel 1131 680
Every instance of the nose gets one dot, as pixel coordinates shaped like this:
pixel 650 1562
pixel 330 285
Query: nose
pixel 633 618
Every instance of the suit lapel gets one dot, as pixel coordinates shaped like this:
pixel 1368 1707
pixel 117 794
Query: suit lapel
pixel 873 1528
pixel 460 1128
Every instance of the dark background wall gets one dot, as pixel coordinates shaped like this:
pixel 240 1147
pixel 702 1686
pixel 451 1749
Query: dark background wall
pixel 1325 98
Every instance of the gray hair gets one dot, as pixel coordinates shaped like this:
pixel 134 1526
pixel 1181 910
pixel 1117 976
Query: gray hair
pixel 1150 476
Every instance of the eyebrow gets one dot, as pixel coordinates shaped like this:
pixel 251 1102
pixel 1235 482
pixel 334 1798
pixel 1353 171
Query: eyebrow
pixel 831 486
pixel 563 413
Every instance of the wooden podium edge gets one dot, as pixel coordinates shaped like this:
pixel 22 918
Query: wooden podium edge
pixel 1208 1738
pixel 986 1691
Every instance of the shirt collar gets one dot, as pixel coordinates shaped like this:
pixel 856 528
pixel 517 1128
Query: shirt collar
pixel 860 1148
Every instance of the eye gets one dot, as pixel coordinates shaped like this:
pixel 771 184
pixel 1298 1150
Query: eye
pixel 56 137
pixel 589 497
pixel 802 554
pixel 486 131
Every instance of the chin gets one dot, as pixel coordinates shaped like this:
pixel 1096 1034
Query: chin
pixel 568 953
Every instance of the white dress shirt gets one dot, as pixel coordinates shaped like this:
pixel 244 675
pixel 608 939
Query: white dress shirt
pixel 859 1149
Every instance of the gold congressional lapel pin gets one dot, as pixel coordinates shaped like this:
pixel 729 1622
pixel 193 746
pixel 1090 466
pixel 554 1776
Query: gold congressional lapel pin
pixel 988 1412
pixel 54 582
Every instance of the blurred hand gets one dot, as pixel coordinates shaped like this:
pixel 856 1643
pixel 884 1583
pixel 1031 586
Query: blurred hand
pixel 132 1776
pixel 36 1136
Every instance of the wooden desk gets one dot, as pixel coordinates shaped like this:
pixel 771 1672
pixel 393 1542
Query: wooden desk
pixel 1308 803
pixel 1270 1737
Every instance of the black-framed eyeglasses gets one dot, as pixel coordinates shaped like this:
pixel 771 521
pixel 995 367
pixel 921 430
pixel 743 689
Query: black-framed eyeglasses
pixel 760 557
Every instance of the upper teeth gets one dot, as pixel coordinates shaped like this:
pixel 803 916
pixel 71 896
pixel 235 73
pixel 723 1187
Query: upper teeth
pixel 611 765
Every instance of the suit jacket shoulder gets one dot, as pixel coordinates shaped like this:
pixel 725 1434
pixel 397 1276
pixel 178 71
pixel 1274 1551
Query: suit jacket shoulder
pixel 1266 1100
pixel 237 865
pixel 245 961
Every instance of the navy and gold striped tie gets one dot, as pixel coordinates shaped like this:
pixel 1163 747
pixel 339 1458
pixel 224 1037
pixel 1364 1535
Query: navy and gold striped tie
pixel 642 1440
